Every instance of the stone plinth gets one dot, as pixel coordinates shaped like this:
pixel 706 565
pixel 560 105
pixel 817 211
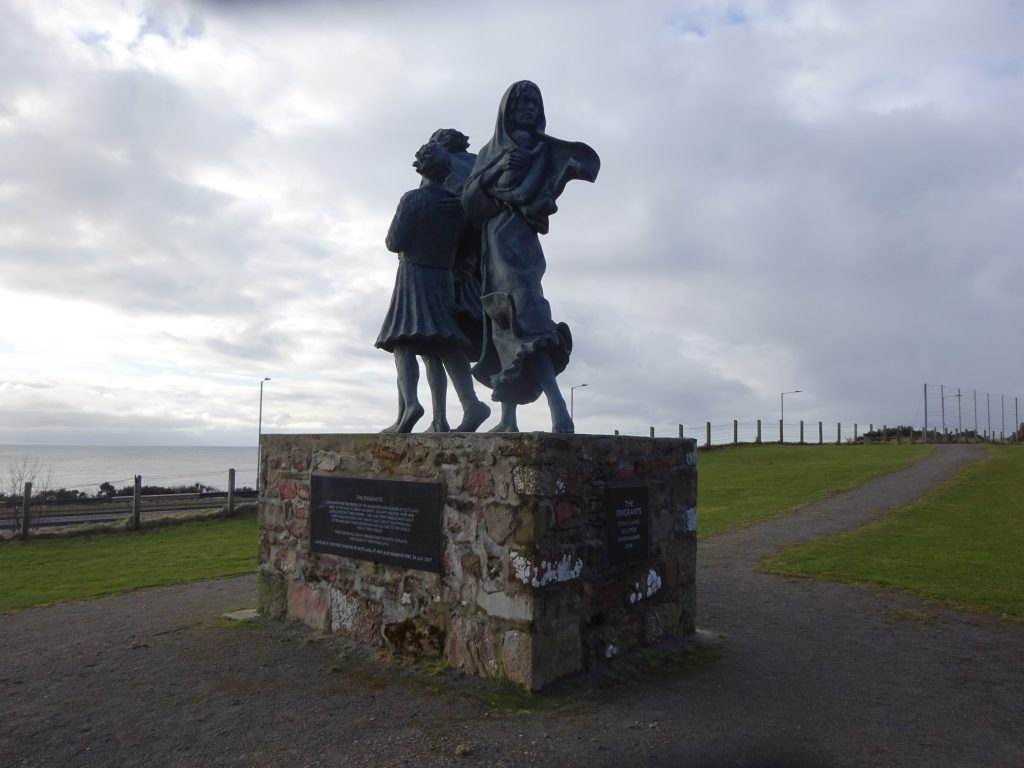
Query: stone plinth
pixel 529 588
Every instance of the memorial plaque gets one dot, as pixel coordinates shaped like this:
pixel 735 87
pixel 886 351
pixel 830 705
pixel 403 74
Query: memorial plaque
pixel 384 521
pixel 626 523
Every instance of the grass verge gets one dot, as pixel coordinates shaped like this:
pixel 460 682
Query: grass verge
pixel 960 545
pixel 739 486
pixel 44 571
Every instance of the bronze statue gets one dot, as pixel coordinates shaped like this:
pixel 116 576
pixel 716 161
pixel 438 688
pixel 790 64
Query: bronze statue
pixel 425 233
pixel 510 194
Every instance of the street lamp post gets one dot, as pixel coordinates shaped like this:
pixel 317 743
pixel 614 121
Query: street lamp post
pixel 259 438
pixel 572 392
pixel 782 410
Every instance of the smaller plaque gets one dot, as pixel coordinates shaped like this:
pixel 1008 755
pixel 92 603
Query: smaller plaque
pixel 626 523
pixel 384 521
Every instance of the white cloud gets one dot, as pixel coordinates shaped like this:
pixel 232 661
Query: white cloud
pixel 822 196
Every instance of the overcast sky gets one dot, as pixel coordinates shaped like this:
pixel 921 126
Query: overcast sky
pixel 823 196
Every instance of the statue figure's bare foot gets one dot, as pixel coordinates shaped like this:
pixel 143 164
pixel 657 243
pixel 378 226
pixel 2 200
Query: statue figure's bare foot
pixel 503 426
pixel 439 424
pixel 474 415
pixel 410 416
pixel 393 428
pixel 561 422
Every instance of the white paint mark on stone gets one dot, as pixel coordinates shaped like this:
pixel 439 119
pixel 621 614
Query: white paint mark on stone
pixel 522 567
pixel 611 651
pixel 406 599
pixel 691 520
pixel 524 479
pixel 548 572
pixel 653 582
pixel 343 610
pixel 652 586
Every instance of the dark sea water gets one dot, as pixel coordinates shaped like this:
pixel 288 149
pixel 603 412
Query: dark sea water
pixel 84 467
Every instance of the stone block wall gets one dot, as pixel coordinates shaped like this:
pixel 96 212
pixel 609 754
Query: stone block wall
pixel 526 592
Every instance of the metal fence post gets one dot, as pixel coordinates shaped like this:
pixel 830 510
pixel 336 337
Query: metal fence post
pixel 758 440
pixel 681 431
pixel 839 433
pixel 782 437
pixel 821 435
pixel 652 431
pixel 801 431
pixel 707 426
pixel 735 432
pixel 926 412
pixel 231 491
pixel 26 505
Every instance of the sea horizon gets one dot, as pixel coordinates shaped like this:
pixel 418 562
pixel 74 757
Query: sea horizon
pixel 84 467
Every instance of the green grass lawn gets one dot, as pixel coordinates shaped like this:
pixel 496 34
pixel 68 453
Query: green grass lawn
pixel 737 486
pixel 963 544
pixel 43 571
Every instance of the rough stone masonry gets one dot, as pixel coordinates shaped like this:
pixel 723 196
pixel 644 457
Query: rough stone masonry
pixel 556 552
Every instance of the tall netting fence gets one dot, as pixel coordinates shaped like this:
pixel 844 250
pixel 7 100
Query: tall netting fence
pixel 959 413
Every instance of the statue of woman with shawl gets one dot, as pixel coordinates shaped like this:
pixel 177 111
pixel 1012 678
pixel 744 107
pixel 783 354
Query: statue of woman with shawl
pixel 510 193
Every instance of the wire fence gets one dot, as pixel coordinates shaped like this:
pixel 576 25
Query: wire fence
pixel 800 432
pixel 970 413
pixel 30 510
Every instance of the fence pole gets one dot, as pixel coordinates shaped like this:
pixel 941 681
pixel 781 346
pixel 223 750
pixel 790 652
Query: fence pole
pixel 231 491
pixel 782 438
pixel 855 431
pixel 26 505
pixel 926 412
pixel 616 432
pixel 652 431
pixel 137 503
pixel 735 432
pixel 758 441
pixel 975 415
pixel 707 426
pixel 681 431
pixel 839 433
pixel 821 435
pixel 942 409
pixel 801 431
pixel 988 407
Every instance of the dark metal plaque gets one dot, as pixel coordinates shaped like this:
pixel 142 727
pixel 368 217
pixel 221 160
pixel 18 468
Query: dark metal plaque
pixel 626 523
pixel 384 521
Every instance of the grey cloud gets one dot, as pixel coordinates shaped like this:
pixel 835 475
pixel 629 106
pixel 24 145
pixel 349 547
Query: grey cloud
pixel 778 206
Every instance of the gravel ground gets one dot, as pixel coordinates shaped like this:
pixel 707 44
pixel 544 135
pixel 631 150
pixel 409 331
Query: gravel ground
pixel 807 674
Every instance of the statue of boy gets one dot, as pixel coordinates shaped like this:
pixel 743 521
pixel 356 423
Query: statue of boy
pixel 425 234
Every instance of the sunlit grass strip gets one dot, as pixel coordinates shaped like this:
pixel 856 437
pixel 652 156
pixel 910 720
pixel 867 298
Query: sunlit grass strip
pixel 963 544
pixel 738 486
pixel 45 571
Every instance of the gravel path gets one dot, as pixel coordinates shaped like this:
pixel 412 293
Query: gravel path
pixel 812 674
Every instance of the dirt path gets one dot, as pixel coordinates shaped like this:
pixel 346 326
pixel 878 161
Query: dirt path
pixel 812 675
